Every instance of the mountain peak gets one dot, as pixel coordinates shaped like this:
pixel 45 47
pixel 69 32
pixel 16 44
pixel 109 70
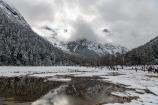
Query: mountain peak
pixel 94 48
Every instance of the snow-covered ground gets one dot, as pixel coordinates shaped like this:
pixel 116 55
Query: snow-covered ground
pixel 145 84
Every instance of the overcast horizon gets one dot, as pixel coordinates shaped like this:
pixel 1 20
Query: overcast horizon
pixel 130 23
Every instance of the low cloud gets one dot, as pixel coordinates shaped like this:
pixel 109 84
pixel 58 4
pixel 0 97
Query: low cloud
pixel 131 22
pixel 83 31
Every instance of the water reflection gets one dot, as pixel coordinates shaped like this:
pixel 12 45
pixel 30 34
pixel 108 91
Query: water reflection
pixel 59 97
pixel 79 91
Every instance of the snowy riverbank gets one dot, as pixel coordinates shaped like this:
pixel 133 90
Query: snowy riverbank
pixel 140 84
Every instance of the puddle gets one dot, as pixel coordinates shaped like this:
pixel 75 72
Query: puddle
pixel 84 91
pixel 78 91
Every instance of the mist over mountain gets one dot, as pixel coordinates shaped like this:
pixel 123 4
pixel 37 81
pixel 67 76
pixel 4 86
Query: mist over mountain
pixel 131 23
pixel 83 47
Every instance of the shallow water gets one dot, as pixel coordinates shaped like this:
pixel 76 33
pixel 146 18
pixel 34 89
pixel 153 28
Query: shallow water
pixel 11 102
pixel 78 91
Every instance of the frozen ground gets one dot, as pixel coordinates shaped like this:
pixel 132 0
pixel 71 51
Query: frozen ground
pixel 145 84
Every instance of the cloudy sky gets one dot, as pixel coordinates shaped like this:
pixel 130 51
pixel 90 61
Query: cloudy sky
pixel 130 23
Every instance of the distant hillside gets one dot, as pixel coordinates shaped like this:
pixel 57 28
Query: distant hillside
pixel 146 54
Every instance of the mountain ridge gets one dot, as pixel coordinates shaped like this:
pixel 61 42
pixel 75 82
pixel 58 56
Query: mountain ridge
pixel 95 48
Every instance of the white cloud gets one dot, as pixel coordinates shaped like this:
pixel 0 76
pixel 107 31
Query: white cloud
pixel 131 22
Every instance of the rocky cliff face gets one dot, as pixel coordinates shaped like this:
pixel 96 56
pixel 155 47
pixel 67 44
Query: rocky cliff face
pixel 19 45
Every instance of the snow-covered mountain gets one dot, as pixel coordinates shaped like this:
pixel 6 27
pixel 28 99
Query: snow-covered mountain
pixel 19 45
pixel 82 47
pixel 93 48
